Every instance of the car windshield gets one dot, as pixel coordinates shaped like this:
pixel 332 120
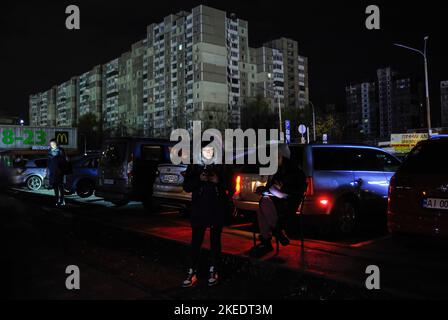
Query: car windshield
pixel 114 153
pixel 428 157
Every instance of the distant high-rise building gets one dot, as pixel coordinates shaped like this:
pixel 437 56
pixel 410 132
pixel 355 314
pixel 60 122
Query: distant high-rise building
pixel 43 108
pixel 89 93
pixel 282 73
pixel 110 96
pixel 362 110
pixel 66 104
pixel 407 102
pixel 400 102
pixel 385 93
pixel 444 103
pixel 295 72
pixel 193 65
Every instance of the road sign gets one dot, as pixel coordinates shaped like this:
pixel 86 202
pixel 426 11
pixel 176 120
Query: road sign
pixel 325 138
pixel 302 129
pixel 288 131
pixel 36 138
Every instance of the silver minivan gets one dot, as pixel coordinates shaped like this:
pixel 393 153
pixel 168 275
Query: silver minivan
pixel 347 184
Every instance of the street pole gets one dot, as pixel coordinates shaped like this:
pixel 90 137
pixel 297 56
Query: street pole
pixel 425 59
pixel 314 120
pixel 280 114
pixel 428 107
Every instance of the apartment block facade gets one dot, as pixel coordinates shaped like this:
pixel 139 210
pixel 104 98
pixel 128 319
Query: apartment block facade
pixel 193 65
pixel 42 111
pixel 362 110
pixel 444 103
pixel 391 104
pixel 89 93
pixel 282 74
pixel 66 102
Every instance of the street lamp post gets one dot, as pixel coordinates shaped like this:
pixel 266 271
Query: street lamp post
pixel 425 59
pixel 314 120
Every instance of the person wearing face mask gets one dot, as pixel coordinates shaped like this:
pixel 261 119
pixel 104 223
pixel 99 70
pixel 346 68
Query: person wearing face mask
pixel 210 186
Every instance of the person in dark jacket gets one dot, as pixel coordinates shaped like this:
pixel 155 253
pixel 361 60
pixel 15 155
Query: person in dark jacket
pixel 280 200
pixel 56 166
pixel 210 187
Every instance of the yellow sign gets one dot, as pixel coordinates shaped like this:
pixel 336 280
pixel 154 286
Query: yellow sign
pixel 62 137
pixel 404 142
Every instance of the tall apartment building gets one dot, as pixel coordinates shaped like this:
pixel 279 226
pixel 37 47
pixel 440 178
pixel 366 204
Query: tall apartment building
pixel 444 103
pixel 89 94
pixel 130 91
pixel 295 72
pixel 385 94
pixel 193 65
pixel 407 101
pixel 43 108
pixel 270 75
pixel 362 109
pixel 110 96
pixel 66 104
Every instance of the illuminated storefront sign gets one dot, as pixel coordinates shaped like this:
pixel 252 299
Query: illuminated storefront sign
pixel 21 137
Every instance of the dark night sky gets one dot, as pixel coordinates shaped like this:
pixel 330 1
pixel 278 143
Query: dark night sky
pixel 36 51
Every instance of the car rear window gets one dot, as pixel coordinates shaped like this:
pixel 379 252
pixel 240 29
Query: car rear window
pixel 114 153
pixel 428 157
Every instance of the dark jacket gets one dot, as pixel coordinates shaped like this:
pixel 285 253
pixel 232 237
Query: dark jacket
pixel 210 202
pixel 56 163
pixel 293 182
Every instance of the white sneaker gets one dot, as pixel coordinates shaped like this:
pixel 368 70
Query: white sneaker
pixel 191 279
pixel 213 277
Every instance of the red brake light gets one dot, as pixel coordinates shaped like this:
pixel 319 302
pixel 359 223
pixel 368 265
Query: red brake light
pixel 324 202
pixel 309 186
pixel 237 185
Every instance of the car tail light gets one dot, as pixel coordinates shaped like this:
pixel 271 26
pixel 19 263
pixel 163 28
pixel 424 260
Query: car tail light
pixel 392 184
pixel 324 202
pixel 237 185
pixel 309 186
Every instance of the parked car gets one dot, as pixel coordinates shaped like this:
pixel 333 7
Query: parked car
pixel 30 173
pixel 418 193
pixel 347 185
pixel 168 188
pixel 84 177
pixel 127 169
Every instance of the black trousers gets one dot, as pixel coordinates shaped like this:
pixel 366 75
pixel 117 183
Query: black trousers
pixel 197 239
pixel 59 192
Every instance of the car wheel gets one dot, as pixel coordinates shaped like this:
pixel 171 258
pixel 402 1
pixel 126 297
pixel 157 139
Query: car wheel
pixel 34 183
pixel 345 217
pixel 120 203
pixel 85 188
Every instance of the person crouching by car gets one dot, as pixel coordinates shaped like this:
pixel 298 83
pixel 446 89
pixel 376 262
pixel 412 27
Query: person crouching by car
pixel 280 199
pixel 210 186
pixel 57 168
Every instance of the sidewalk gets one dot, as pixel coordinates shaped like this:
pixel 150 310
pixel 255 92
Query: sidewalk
pixel 405 272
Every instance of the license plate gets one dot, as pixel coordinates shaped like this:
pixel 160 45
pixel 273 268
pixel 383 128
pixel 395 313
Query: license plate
pixel 108 181
pixel 433 203
pixel 170 178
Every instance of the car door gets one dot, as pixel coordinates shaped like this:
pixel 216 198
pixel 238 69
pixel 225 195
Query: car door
pixel 370 180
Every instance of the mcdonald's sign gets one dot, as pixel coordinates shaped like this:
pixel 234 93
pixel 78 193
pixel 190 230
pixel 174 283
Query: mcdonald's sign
pixel 62 137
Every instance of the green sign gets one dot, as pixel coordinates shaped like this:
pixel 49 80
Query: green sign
pixel 23 137
pixel 28 137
